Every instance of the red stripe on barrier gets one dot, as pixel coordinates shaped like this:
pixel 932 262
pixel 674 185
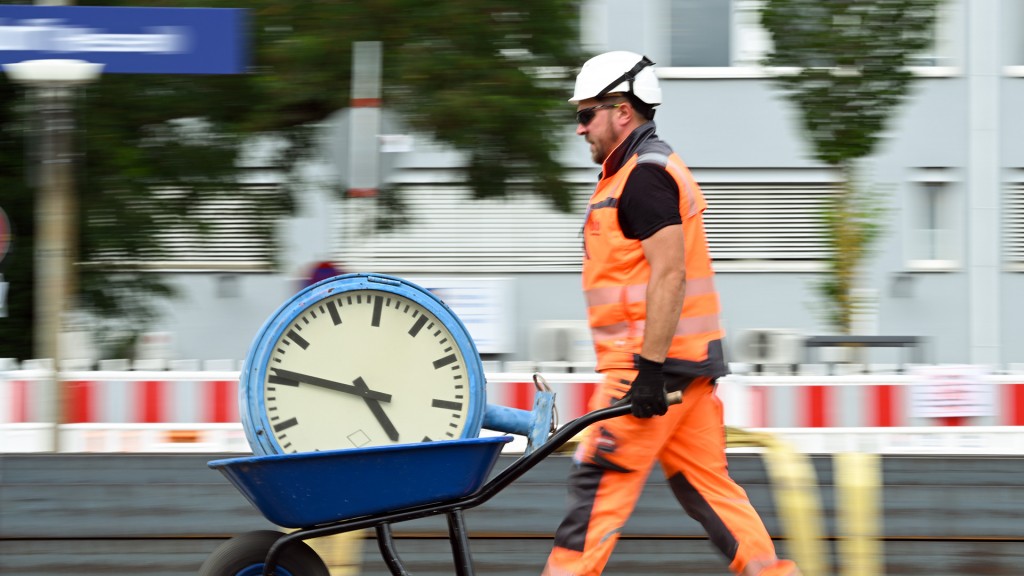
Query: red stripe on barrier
pixel 584 391
pixel 883 401
pixel 952 421
pixel 522 395
pixel 151 402
pixel 1015 406
pixel 816 406
pixel 80 398
pixel 19 401
pixel 758 407
pixel 221 405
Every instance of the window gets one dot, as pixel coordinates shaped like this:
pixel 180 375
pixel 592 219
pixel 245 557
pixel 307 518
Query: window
pixel 723 33
pixel 751 42
pixel 934 235
pixel 716 33
pixel 944 38
pixel 700 32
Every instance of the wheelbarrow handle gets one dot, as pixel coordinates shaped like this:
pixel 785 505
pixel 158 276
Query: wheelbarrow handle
pixel 556 441
pixel 620 408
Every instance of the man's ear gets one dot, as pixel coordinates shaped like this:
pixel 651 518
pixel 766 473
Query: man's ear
pixel 627 114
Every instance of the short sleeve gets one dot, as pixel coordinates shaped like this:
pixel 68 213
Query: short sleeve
pixel 649 202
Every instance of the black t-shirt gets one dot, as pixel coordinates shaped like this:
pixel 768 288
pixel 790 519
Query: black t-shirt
pixel 649 202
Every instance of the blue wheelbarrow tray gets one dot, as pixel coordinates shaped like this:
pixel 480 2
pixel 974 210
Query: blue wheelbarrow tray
pixel 313 488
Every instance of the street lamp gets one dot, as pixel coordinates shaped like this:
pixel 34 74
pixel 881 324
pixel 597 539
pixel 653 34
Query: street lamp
pixel 52 83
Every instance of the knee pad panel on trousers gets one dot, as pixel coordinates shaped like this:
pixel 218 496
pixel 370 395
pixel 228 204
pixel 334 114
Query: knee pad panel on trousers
pixel 572 532
pixel 698 508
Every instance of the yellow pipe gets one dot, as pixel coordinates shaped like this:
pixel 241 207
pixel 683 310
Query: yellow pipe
pixel 858 479
pixel 795 488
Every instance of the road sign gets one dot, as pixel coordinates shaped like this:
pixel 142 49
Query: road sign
pixel 129 40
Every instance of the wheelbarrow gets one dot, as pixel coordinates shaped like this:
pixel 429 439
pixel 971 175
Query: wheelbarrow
pixel 331 492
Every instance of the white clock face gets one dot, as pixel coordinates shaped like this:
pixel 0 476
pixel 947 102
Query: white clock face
pixel 365 368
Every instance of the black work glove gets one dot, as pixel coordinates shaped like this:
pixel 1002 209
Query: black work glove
pixel 647 392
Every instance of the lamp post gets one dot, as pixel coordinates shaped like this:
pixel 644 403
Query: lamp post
pixel 52 83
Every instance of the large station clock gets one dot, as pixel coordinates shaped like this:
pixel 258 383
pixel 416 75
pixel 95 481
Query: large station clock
pixel 360 360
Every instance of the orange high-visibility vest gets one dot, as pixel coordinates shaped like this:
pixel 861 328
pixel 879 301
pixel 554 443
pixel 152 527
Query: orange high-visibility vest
pixel 615 276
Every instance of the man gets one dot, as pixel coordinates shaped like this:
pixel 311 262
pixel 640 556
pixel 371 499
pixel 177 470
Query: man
pixel 654 315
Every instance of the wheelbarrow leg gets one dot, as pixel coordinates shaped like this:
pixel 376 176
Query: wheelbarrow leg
pixel 388 552
pixel 460 543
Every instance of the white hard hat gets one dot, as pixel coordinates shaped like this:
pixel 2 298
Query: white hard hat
pixel 618 71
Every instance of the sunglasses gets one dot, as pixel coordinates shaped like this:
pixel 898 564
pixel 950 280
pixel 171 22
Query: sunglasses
pixel 585 116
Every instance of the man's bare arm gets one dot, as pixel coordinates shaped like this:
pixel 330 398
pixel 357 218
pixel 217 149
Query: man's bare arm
pixel 666 254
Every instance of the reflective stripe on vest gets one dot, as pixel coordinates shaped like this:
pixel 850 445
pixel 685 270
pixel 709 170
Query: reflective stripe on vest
pixel 615 276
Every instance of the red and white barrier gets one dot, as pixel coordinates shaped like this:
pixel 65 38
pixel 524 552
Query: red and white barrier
pixel 124 396
pixel 115 403
pixel 24 395
pixel 858 401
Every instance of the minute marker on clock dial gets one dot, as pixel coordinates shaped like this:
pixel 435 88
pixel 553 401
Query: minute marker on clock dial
pixel 332 308
pixel 282 426
pixel 442 362
pixel 446 404
pixel 294 337
pixel 415 330
pixel 378 306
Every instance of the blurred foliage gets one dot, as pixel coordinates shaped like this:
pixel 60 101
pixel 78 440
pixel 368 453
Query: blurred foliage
pixel 850 62
pixel 17 201
pixel 475 75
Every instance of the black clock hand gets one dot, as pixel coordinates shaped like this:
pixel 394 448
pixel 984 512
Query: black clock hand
pixel 378 412
pixel 289 378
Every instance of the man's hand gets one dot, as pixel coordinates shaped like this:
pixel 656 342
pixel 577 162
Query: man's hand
pixel 647 392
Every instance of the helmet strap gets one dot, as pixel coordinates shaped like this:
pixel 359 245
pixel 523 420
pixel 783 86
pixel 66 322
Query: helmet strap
pixel 629 76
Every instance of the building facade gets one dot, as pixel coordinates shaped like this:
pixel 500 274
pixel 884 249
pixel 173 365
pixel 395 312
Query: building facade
pixel 948 267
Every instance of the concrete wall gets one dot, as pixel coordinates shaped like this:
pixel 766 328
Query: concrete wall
pixel 163 514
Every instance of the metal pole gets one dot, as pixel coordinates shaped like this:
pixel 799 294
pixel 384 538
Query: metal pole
pixel 56 237
pixel 56 223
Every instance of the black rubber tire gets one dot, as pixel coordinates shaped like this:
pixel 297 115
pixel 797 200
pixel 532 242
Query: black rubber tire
pixel 246 550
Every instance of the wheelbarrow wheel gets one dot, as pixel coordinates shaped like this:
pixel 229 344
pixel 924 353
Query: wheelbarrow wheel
pixel 243 555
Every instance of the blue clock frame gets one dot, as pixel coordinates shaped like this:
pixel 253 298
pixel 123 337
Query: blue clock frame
pixel 252 409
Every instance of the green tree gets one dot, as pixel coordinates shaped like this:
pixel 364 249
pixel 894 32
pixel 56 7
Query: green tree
pixel 16 201
pixel 470 74
pixel 850 60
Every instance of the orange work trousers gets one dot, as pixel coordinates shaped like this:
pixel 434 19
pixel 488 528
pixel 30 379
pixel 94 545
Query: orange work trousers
pixel 614 459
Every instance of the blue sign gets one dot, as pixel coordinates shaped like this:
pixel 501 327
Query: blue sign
pixel 128 40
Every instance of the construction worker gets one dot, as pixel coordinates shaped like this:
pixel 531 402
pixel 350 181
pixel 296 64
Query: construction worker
pixel 654 316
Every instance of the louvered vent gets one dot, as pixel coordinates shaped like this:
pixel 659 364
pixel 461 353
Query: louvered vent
pixel 447 231
pixel 767 222
pixel 1013 225
pixel 228 233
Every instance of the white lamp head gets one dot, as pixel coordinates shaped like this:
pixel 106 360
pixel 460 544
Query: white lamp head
pixel 53 73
